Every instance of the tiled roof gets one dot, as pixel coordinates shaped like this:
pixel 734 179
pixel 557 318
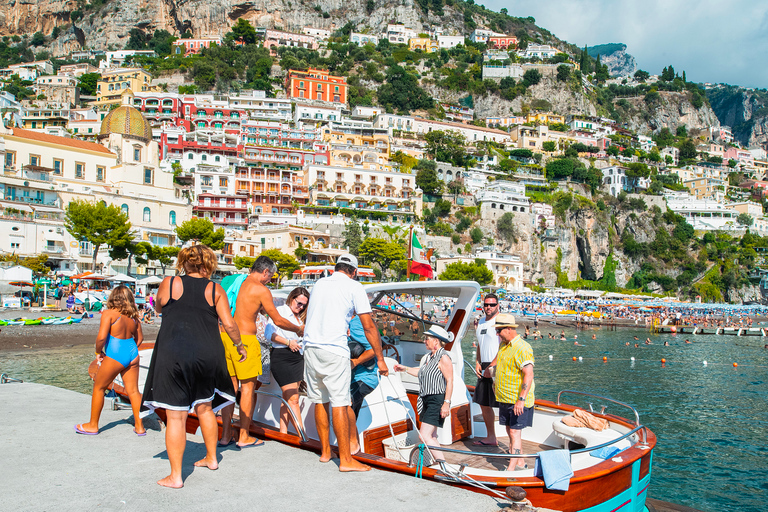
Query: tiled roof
pixel 61 141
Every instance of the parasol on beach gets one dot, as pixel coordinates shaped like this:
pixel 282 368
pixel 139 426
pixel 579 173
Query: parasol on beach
pixel 21 283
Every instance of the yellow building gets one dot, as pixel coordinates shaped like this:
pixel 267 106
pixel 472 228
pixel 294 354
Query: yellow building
pixel 115 82
pixel 544 118
pixel 358 144
pixel 424 44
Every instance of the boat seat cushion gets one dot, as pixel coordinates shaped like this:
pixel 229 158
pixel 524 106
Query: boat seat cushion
pixel 586 436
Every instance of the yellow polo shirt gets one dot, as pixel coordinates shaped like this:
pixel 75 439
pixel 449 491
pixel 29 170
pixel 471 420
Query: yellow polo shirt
pixel 510 360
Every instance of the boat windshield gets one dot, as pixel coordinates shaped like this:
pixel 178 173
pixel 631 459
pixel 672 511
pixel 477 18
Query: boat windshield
pixel 407 315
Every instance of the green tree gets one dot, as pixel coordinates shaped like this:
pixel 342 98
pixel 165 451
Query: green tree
pixel 301 252
pixel 127 249
pixel 475 271
pixel 442 208
pixel 426 180
pixel 164 255
pixel 241 262
pixel 286 264
pixel 381 252
pixel 202 231
pixel 507 228
pixel 688 150
pixel 162 42
pixel 88 83
pixel 447 146
pixel 38 39
pixel 98 223
pixel 531 77
pixel 137 40
pixel 559 168
pixel 642 76
pixel 242 31
pixel 549 146
pixel 563 72
pixel 745 219
pixel 353 237
pixel 476 234
pixel 404 160
pixel 402 92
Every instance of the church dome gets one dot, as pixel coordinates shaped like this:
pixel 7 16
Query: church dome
pixel 126 120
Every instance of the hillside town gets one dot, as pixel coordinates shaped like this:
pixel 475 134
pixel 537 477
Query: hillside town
pixel 289 168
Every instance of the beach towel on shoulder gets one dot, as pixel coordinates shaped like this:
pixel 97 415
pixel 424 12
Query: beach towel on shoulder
pixel 232 290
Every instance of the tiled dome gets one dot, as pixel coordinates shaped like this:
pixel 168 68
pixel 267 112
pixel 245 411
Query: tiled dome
pixel 126 120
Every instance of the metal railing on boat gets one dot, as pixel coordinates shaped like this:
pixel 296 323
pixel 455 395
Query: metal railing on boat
pixel 299 427
pixel 5 378
pixel 602 410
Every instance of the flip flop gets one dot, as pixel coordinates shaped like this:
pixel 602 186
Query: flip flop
pixel 483 443
pixel 140 434
pixel 84 432
pixel 255 444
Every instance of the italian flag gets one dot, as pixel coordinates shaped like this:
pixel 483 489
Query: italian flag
pixel 419 261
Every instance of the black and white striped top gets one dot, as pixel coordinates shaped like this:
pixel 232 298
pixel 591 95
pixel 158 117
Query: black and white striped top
pixel 431 380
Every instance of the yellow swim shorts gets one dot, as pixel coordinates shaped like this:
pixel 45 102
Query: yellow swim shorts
pixel 251 367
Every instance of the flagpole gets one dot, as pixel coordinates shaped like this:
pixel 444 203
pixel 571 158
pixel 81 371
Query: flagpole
pixel 410 252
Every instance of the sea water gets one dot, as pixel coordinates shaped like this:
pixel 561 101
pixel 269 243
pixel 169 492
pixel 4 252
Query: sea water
pixel 710 421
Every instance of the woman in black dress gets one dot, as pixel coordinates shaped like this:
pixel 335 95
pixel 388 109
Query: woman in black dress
pixel 188 371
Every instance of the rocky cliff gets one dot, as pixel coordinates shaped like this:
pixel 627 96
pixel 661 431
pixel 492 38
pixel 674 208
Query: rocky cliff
pixel 744 110
pixel 671 110
pixel 619 62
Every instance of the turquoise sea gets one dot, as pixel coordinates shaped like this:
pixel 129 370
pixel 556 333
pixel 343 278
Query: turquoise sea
pixel 710 420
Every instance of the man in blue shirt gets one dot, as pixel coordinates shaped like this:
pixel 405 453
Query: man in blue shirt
pixel 364 379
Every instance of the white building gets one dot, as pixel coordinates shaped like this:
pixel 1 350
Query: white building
pixel 501 197
pixel 361 39
pixel 365 112
pixel 615 180
pixel 542 215
pixel 448 42
pixel 399 34
pixel 540 51
pixel 481 35
pixel 673 152
pixel 118 58
pixel 507 268
pixel 419 125
pixel 319 33
pixel 705 214
pixel 316 113
pixel 258 106
pixel 646 143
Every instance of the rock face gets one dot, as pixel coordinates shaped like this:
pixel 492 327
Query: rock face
pixel 108 26
pixel 670 111
pixel 744 110
pixel 615 57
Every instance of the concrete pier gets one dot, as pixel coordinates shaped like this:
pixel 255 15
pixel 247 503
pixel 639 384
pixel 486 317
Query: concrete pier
pixel 46 466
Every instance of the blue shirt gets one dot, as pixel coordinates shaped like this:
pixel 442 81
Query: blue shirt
pixel 361 373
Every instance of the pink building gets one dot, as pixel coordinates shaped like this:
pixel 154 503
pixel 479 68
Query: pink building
pixel 502 42
pixel 742 156
pixel 279 38
pixel 192 46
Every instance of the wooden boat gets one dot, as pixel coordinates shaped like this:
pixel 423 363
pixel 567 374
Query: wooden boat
pixel 387 420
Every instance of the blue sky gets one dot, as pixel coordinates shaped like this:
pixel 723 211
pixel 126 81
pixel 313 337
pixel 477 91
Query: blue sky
pixel 713 41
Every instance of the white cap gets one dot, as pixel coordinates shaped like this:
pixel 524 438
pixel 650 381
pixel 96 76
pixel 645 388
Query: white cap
pixel 348 259
pixel 438 332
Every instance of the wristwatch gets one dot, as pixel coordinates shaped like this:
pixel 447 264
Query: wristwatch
pixel 521 398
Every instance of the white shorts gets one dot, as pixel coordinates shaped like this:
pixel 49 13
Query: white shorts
pixel 328 377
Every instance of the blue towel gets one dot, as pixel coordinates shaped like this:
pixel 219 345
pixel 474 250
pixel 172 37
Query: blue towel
pixel 606 452
pixel 555 466
pixel 233 290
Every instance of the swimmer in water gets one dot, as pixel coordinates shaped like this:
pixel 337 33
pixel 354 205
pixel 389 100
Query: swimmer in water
pixel 648 341
pixel 636 337
pixel 666 343
pixel 636 345
pixel 628 344
pixel 687 340
pixel 594 336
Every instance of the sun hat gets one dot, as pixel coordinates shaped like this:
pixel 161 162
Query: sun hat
pixel 505 320
pixel 438 332
pixel 348 259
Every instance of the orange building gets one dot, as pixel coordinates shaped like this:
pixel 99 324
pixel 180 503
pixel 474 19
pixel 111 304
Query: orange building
pixel 316 84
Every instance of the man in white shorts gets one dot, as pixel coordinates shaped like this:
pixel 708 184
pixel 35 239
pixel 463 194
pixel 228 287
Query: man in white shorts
pixel 327 368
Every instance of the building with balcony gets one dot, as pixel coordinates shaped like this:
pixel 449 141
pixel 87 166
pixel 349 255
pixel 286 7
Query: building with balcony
pixel 114 82
pixel 228 211
pixel 537 51
pixel 357 144
pixel 449 42
pixel 187 47
pixel 256 105
pixel 507 268
pixel 85 123
pixel 418 125
pixel 481 35
pixel 502 42
pixel 284 238
pixel 704 187
pixel 458 113
pixel 117 58
pixel 28 70
pixel 316 84
pixel 501 197
pixel 320 33
pixel 316 113
pixel 399 34
pixel 273 38
pixel 361 39
pixel 198 148
pixel 59 88
pixel 78 69
pixel 705 214
pixel 392 193
pixel 425 44
pixel 41 119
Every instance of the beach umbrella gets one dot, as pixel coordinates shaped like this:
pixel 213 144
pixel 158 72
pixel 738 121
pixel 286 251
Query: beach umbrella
pixel 151 280
pixel 21 283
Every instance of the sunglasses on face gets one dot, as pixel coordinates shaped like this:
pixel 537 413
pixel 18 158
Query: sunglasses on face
pixel 300 304
pixel 489 305
pixel 499 329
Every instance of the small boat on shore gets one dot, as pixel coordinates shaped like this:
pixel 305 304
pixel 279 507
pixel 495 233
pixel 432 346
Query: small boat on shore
pixel 611 468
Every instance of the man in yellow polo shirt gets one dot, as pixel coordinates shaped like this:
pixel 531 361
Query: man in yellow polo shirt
pixel 514 385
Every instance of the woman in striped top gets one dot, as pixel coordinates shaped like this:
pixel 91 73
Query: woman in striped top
pixel 435 374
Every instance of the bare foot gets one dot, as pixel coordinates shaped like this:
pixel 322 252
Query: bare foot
pixel 353 466
pixel 171 482
pixel 208 463
pixel 354 450
pixel 228 441
pixel 326 457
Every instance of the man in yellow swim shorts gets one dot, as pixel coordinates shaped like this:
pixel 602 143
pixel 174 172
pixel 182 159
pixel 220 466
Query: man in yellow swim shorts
pixel 252 296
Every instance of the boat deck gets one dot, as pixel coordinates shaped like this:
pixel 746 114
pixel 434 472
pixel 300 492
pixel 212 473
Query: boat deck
pixel 477 461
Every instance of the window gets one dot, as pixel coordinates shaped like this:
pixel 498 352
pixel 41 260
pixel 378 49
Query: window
pixel 222 182
pixel 204 158
pixel 79 170
pixel 34 159
pixel 57 165
pixel 100 172
pixel 217 158
pixel 172 218
pixel 136 154
pixel 124 208
pixel 147 214
pixel 10 158
pixel 190 156
pixel 147 176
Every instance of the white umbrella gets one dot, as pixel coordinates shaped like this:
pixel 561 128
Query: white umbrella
pixel 150 280
pixel 121 278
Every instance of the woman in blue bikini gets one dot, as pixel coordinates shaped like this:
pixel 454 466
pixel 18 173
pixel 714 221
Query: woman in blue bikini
pixel 117 349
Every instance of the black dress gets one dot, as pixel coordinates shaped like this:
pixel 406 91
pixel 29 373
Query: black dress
pixel 188 365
